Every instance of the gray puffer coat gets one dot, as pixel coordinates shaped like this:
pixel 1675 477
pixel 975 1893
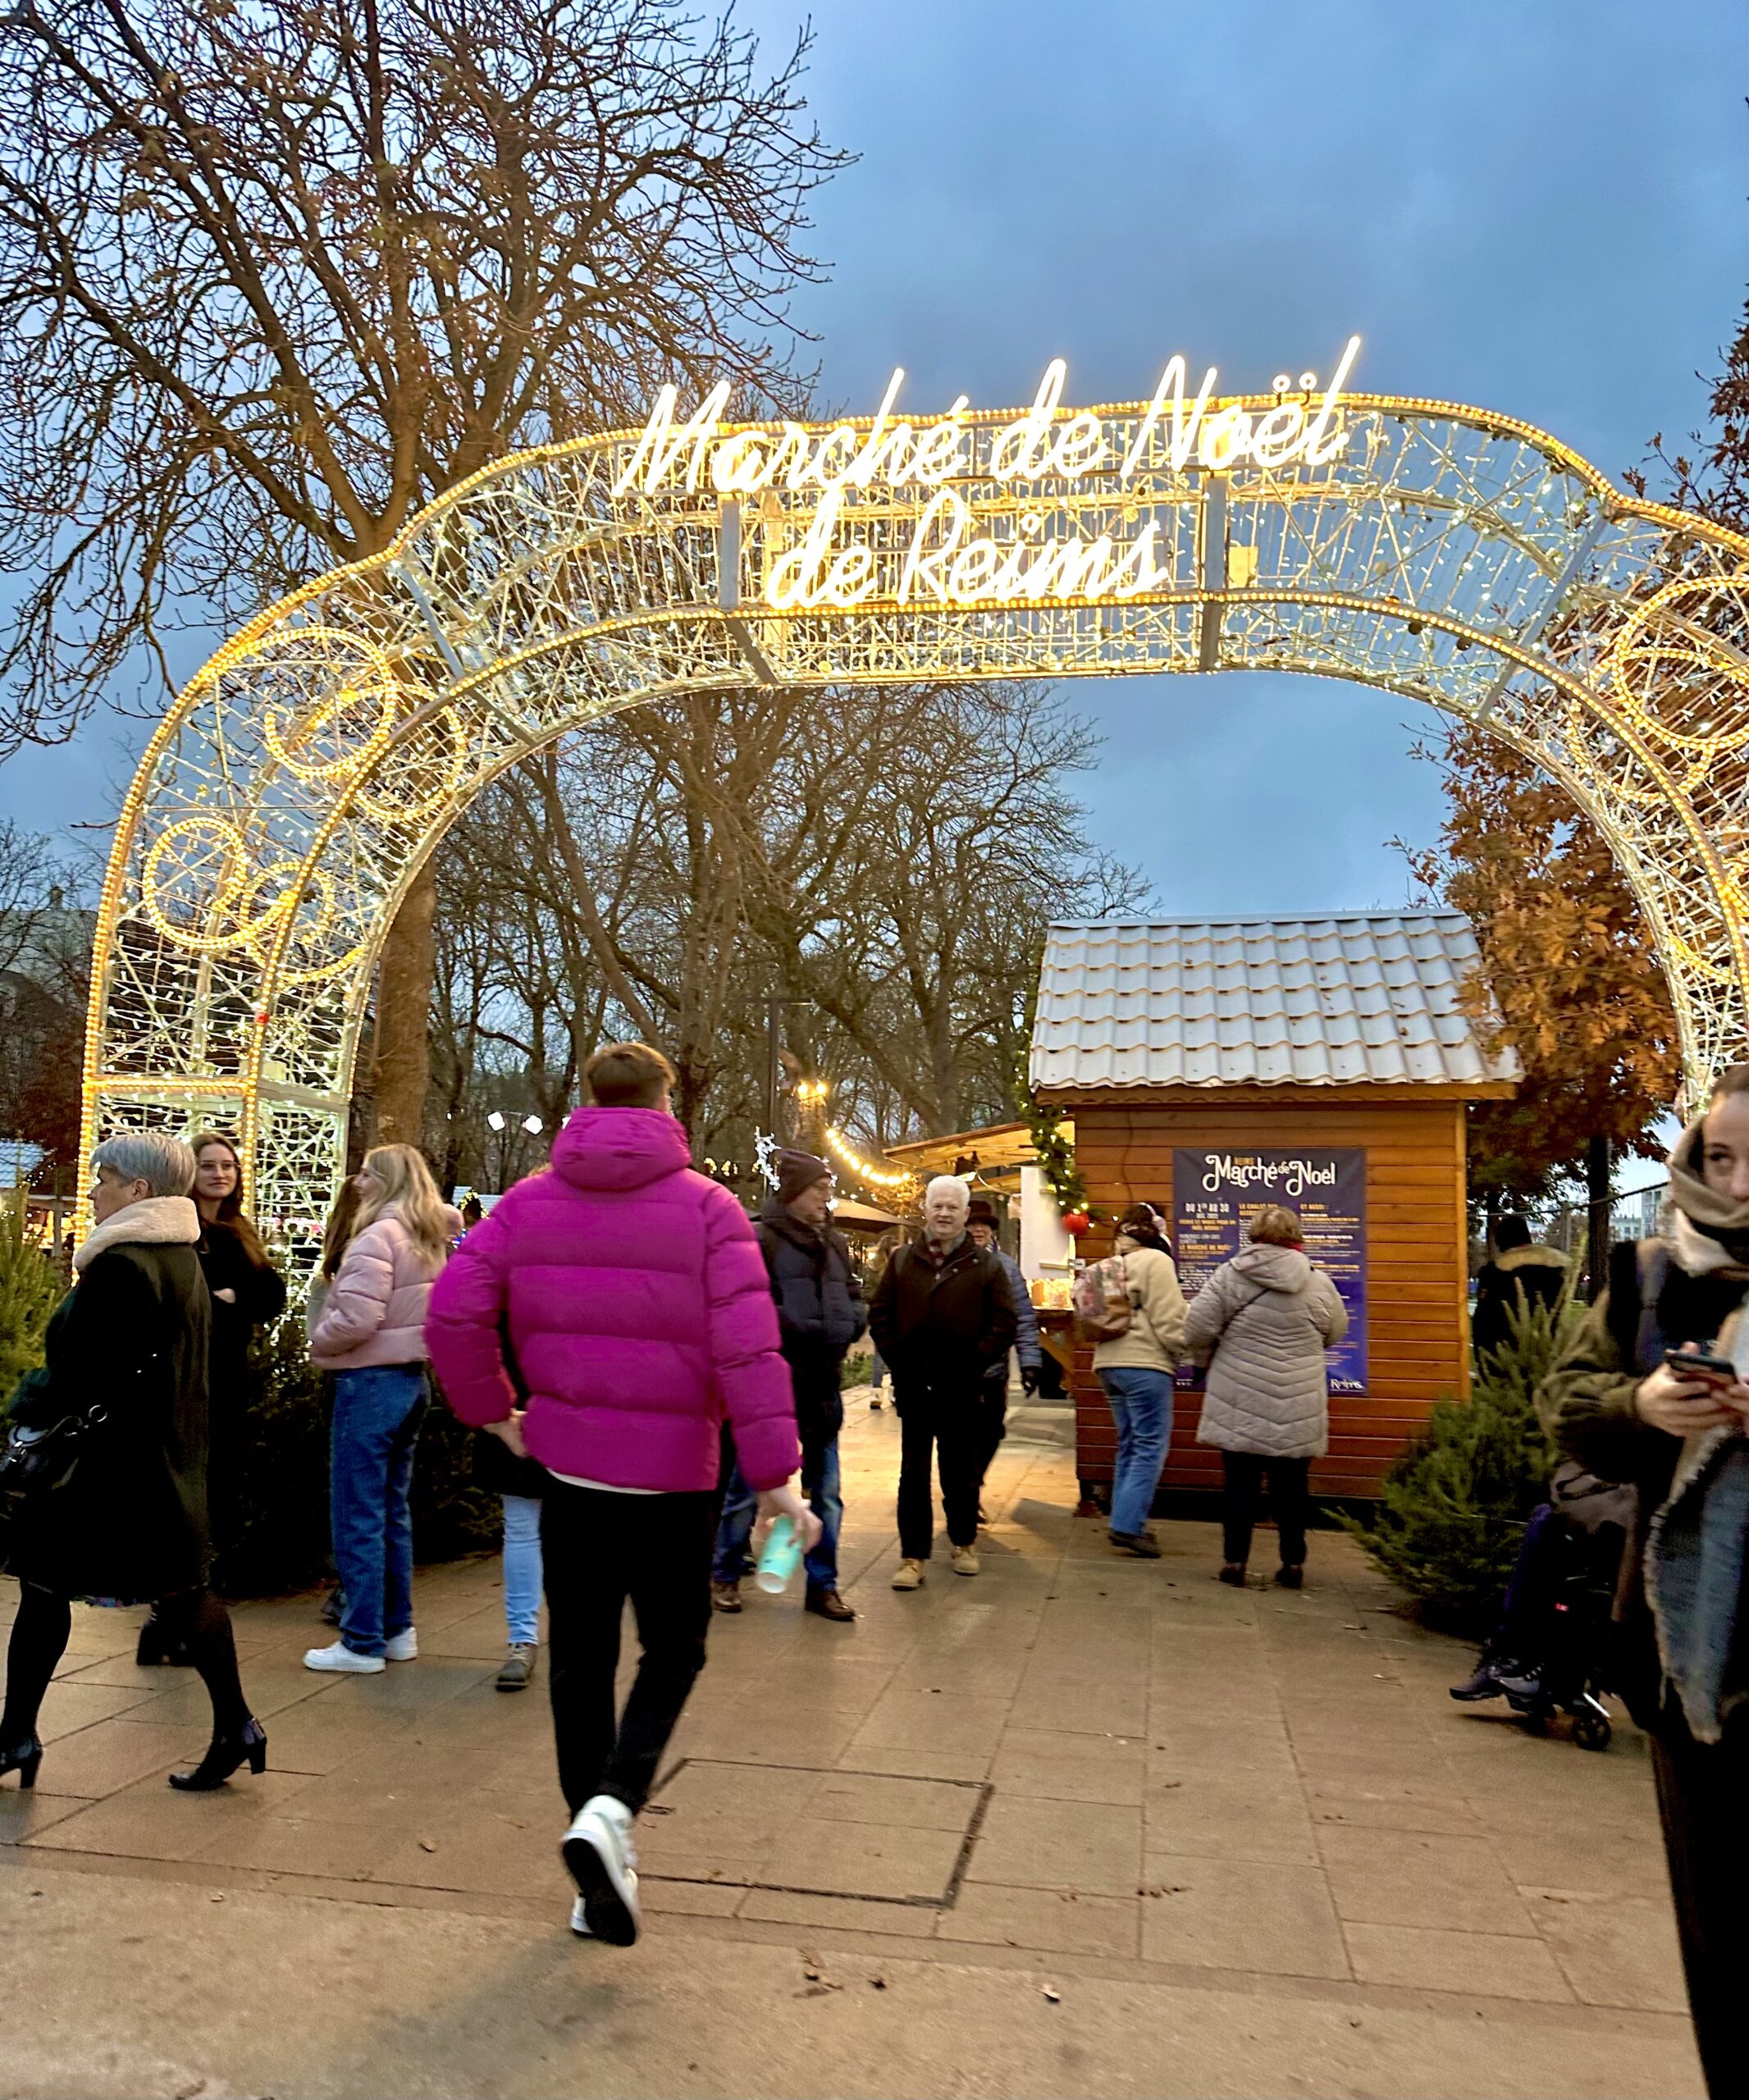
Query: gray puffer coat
pixel 1262 1323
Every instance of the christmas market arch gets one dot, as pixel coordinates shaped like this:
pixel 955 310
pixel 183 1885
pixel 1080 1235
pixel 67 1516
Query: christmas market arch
pixel 305 775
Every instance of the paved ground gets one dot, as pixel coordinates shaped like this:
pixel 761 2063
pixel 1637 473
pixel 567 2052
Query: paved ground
pixel 1084 1825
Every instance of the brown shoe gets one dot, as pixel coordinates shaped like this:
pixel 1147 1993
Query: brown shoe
pixel 1234 1574
pixel 725 1596
pixel 828 1604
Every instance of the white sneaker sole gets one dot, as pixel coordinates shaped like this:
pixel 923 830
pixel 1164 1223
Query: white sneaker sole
pixel 607 1891
pixel 580 1920
pixel 318 1659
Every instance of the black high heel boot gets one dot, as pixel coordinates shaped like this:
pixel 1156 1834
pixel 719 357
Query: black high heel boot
pixel 157 1644
pixel 225 1755
pixel 22 1758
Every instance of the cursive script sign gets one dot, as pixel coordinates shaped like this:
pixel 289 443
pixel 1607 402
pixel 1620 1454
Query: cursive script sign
pixel 978 504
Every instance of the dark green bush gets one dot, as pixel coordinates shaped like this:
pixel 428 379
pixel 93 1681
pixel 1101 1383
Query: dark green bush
pixel 1451 1513
pixel 270 1478
pixel 32 1285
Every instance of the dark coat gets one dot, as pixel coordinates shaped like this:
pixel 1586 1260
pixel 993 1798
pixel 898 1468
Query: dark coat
pixel 261 1297
pixel 1587 1405
pixel 941 1328
pixel 1528 1275
pixel 820 1313
pixel 131 1523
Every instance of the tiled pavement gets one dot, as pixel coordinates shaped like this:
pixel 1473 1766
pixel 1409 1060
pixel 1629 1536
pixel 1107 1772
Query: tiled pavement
pixel 1103 1768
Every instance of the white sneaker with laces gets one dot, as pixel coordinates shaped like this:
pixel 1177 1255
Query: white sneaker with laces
pixel 579 1920
pixel 339 1657
pixel 599 1851
pixel 402 1647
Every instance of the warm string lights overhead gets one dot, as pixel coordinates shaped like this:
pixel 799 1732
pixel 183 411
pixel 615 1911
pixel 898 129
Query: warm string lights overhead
pixel 1452 555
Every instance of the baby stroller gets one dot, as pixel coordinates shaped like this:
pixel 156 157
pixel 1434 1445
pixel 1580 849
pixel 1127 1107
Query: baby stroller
pixel 1550 1653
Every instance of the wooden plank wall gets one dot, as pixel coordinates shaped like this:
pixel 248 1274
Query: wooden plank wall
pixel 1417 1249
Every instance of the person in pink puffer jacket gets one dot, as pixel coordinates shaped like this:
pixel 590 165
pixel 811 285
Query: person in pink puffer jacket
pixel 370 1335
pixel 633 1300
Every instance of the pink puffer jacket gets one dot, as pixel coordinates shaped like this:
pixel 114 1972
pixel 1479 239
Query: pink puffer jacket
pixel 375 1309
pixel 638 1308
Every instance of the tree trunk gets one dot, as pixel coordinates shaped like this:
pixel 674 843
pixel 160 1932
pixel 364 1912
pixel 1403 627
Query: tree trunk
pixel 403 997
pixel 1597 1213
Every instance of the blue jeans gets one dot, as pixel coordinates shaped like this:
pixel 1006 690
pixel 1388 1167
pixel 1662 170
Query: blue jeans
pixel 377 1416
pixel 820 1486
pixel 522 1569
pixel 1141 1404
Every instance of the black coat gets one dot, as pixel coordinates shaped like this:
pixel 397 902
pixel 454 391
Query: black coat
pixel 1530 1275
pixel 943 1328
pixel 131 1523
pixel 820 1313
pixel 261 1297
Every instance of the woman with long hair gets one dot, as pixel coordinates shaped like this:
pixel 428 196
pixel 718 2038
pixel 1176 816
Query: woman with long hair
pixel 1136 1369
pixel 370 1335
pixel 1618 1405
pixel 126 1349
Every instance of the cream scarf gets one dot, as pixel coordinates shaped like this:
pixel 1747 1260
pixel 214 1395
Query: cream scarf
pixel 153 1222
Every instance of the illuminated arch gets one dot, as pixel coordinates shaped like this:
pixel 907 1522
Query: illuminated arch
pixel 303 776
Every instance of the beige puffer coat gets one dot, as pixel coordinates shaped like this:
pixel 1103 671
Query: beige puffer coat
pixel 1261 1324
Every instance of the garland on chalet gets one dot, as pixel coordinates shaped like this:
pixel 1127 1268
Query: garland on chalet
pixel 1055 1151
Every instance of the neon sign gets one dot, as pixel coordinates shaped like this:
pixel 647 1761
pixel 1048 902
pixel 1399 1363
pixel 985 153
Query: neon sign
pixel 833 547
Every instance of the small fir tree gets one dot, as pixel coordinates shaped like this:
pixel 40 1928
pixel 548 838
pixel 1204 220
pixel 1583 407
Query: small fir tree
pixel 1451 1513
pixel 31 1286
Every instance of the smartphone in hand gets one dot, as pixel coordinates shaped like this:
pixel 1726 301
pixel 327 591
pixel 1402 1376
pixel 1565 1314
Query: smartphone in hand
pixel 1697 1363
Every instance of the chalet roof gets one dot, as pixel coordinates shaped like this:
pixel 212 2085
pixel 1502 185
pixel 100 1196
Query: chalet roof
pixel 1363 997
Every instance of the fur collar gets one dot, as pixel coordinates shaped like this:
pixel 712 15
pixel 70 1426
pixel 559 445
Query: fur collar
pixel 153 1222
pixel 1533 1257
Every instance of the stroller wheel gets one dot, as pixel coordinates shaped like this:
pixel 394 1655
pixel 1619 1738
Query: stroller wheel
pixel 1591 1728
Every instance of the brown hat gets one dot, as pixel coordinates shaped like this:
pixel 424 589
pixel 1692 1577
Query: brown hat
pixel 797 1171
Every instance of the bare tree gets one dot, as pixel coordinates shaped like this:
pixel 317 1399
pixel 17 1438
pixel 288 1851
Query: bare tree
pixel 272 278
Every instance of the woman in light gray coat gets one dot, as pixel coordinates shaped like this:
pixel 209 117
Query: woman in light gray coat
pixel 1261 1324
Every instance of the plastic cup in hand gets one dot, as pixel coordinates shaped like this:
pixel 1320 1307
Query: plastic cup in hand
pixel 779 1561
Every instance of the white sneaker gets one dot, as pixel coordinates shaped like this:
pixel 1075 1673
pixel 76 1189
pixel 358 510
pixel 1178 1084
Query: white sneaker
pixel 579 1921
pixel 340 1657
pixel 402 1647
pixel 599 1851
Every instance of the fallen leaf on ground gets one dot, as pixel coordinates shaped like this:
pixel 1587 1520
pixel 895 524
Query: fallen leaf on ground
pixel 426 1845
pixel 1051 1997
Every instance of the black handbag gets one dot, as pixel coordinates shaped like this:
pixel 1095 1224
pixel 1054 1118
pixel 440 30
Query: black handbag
pixel 39 1457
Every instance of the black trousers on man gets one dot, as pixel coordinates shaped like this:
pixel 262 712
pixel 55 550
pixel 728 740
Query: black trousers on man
pixel 941 1425
pixel 1290 1503
pixel 598 1549
pixel 1703 1803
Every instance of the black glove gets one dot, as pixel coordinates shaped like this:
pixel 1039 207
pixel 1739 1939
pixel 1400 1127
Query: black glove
pixel 1029 1379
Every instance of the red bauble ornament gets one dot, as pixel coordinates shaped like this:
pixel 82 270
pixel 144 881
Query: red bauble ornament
pixel 1076 1223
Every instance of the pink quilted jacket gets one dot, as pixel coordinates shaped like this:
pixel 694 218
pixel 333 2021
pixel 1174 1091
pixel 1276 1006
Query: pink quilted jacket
pixel 638 1312
pixel 375 1309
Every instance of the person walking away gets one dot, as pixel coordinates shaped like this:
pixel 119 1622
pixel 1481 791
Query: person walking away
pixel 1136 1369
pixel 248 1292
pixel 128 1346
pixel 1616 1406
pixel 820 1314
pixel 370 1335
pixel 1261 1324
pixel 980 1222
pixel 638 1309
pixel 1522 1273
pixel 943 1315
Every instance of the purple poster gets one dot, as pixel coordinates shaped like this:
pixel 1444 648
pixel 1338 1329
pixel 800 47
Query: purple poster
pixel 1215 1194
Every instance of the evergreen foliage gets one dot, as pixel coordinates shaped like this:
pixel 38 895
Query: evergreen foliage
pixel 31 1286
pixel 1451 1513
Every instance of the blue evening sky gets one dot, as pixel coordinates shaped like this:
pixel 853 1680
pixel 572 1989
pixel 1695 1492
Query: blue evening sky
pixel 1542 210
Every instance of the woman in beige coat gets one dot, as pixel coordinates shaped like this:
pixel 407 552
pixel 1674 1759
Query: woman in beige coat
pixel 1261 1324
pixel 1135 1368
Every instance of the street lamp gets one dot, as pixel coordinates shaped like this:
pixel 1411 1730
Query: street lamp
pixel 498 1123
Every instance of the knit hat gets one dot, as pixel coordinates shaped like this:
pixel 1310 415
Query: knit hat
pixel 799 1170
pixel 983 1211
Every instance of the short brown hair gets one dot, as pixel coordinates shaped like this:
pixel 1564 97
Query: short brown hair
pixel 1274 1226
pixel 627 1076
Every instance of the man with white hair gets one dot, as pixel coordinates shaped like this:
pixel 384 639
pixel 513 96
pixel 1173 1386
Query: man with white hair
pixel 942 1314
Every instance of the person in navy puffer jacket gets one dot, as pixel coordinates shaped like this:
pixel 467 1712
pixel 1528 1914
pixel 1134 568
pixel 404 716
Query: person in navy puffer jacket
pixel 635 1300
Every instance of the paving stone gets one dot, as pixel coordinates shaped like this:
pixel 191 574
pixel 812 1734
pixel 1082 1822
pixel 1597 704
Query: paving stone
pixel 1051 1921
pixel 1482 1964
pixel 1614 1950
pixel 105 1758
pixel 1240 1914
pixel 1418 1879
pixel 70 1706
pixel 1385 1807
pixel 848 1914
pixel 853 1859
pixel 910 1804
pixel 1247 1817
pixel 1053 1765
pixel 1089 1845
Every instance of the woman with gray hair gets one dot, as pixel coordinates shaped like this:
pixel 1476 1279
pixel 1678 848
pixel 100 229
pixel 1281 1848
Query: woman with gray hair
pixel 126 1353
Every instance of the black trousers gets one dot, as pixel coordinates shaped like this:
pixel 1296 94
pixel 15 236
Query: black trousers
pixel 1703 1803
pixel 993 1425
pixel 1290 1503
pixel 597 1549
pixel 944 1427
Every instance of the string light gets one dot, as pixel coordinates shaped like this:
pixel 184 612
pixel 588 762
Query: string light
pixel 878 1177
